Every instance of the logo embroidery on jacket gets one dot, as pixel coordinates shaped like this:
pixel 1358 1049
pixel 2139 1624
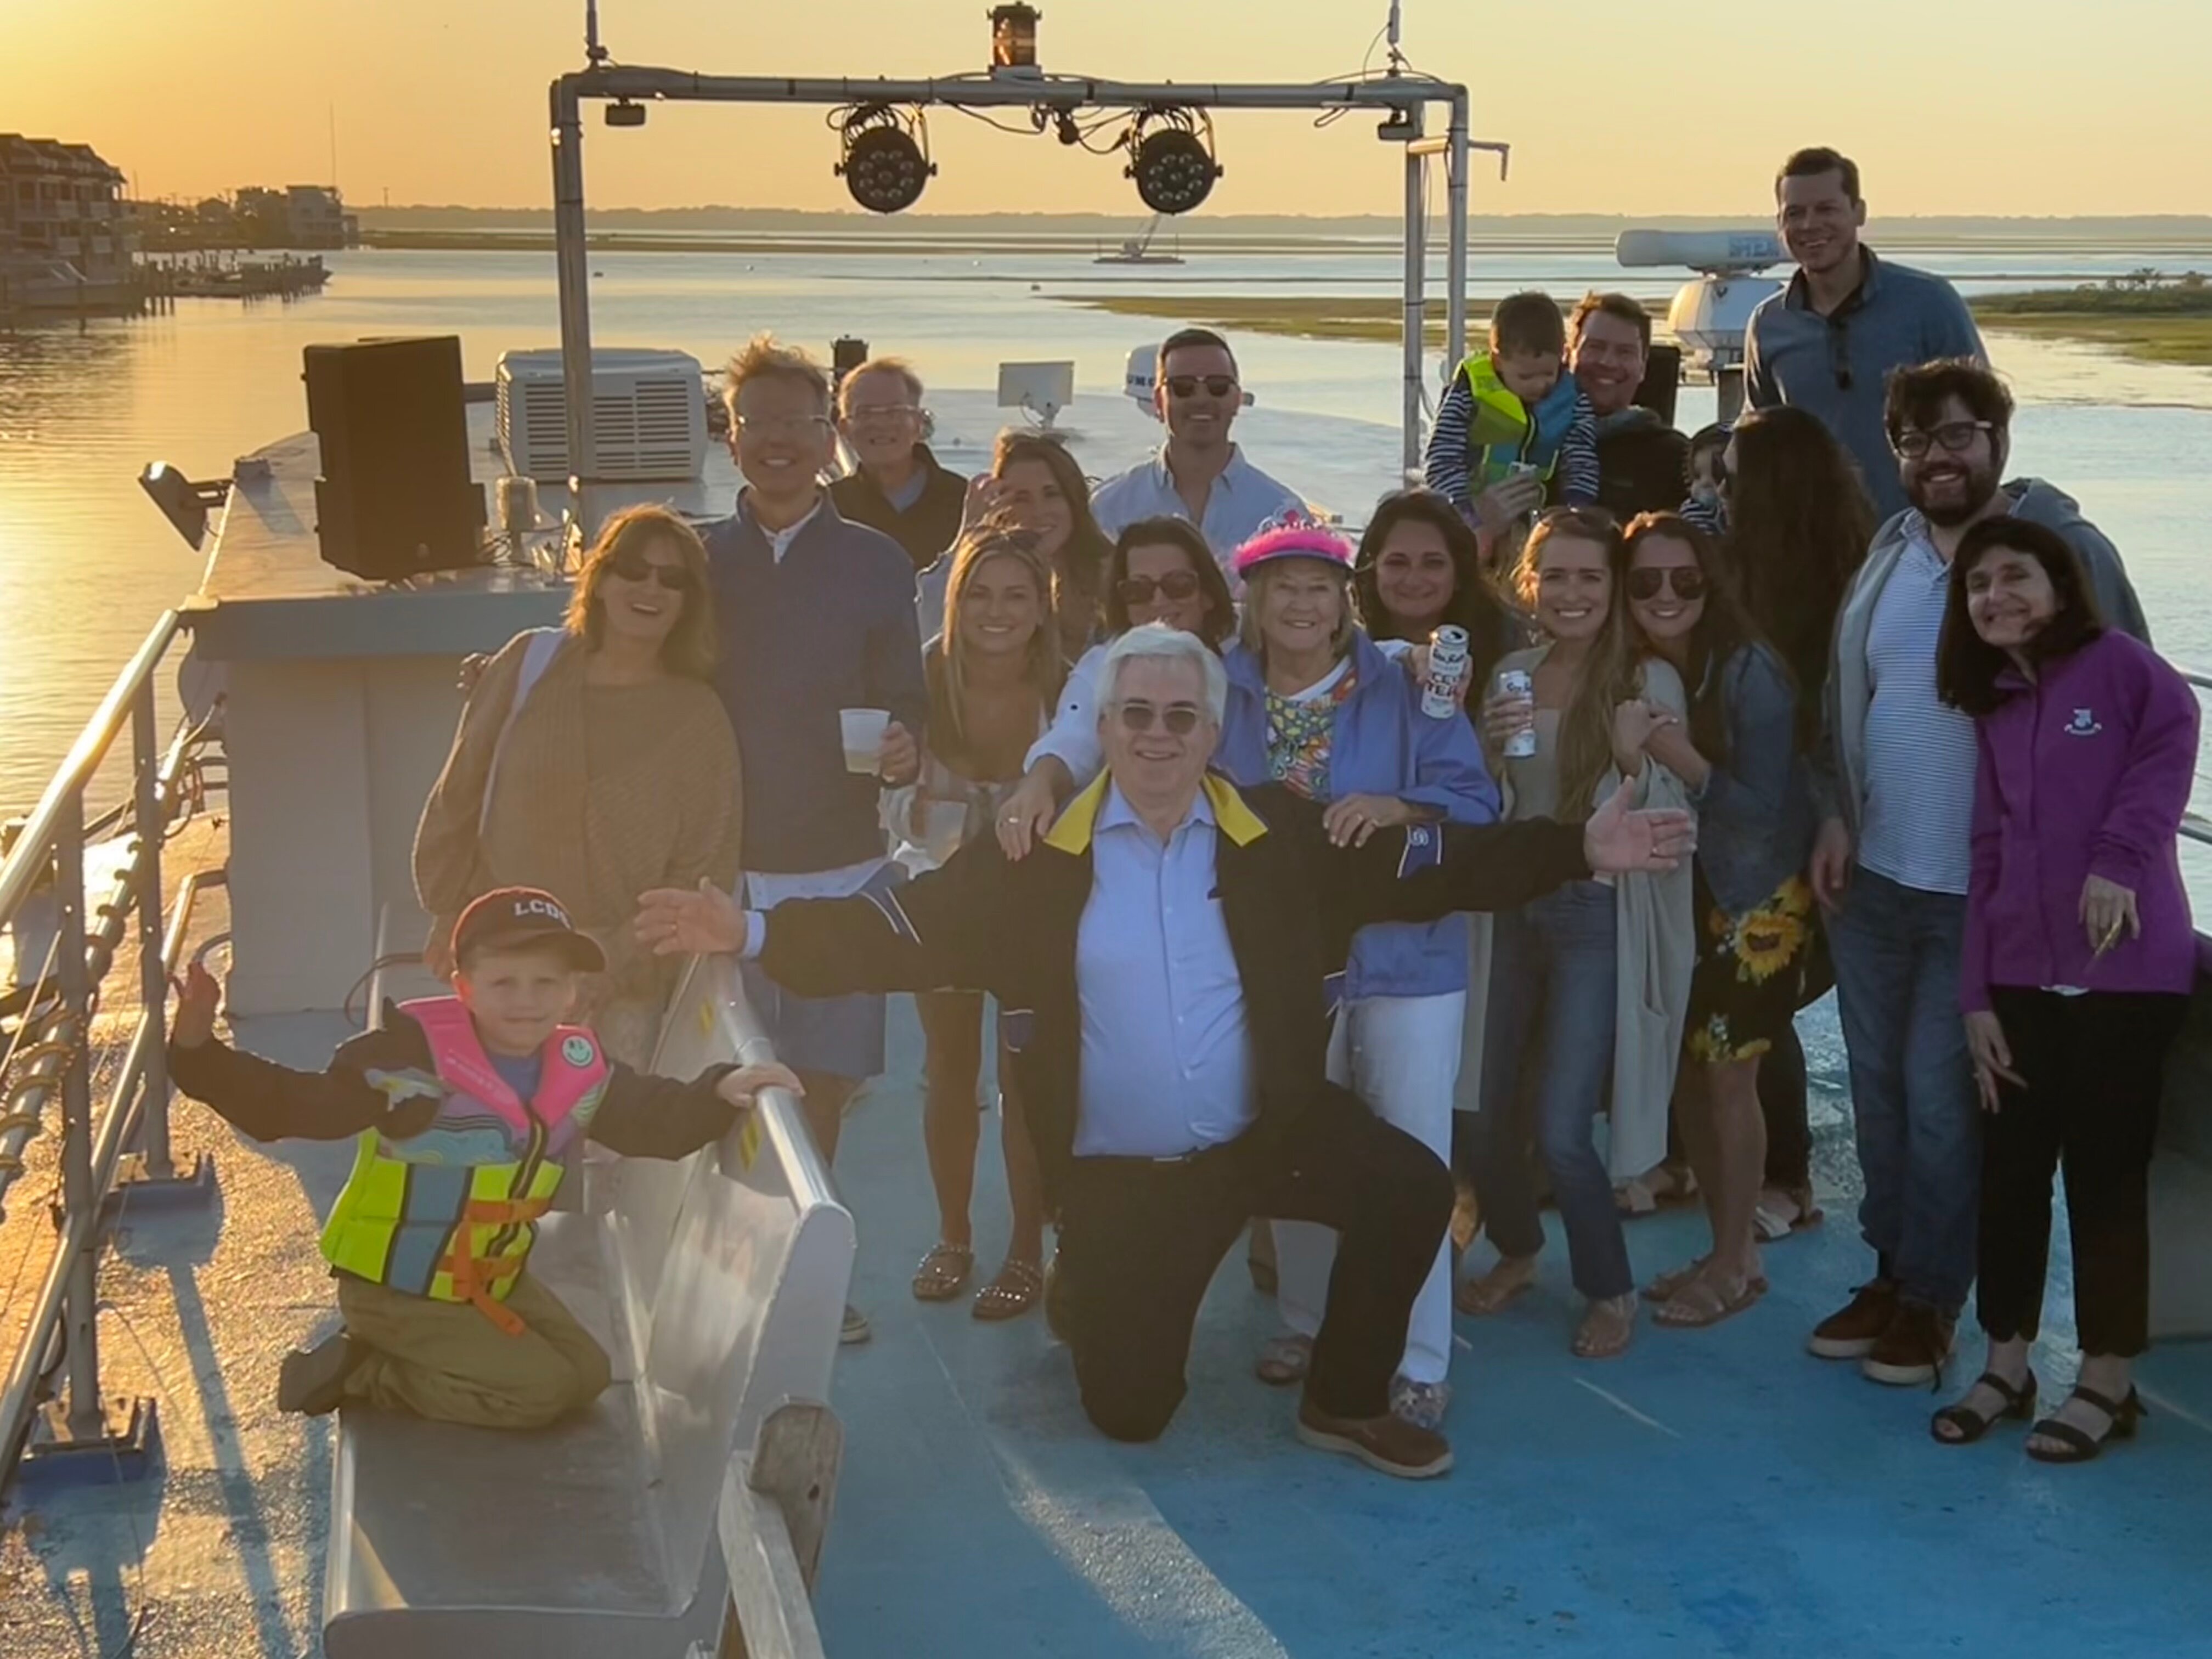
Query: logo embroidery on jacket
pixel 576 1051
pixel 2084 724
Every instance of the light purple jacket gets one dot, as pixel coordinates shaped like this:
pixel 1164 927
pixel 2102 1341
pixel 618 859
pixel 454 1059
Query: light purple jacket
pixel 2086 772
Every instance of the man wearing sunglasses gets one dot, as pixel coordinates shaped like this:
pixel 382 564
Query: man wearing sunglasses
pixel 1166 964
pixel 1199 474
pixel 1892 860
pixel 1828 340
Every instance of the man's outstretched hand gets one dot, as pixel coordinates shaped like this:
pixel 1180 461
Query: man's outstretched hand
pixel 197 995
pixel 683 921
pixel 1619 840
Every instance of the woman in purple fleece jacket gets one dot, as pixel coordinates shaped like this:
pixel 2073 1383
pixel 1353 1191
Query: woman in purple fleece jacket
pixel 2079 957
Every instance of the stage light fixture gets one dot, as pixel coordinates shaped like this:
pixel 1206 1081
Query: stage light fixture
pixel 1171 159
pixel 886 158
pixel 625 113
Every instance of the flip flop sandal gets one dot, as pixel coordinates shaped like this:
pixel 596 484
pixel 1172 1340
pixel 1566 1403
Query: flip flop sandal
pixel 1680 1313
pixel 1662 1288
pixel 1971 1425
pixel 1011 1294
pixel 943 1273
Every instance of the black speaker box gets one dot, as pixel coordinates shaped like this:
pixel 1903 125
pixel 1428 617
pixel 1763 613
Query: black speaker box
pixel 395 497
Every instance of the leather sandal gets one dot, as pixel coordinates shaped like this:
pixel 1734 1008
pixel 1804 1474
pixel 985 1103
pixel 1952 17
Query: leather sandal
pixel 1971 1425
pixel 2081 1446
pixel 943 1273
pixel 1011 1294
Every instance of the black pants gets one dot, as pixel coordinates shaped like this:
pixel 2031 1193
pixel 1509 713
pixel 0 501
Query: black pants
pixel 2094 1066
pixel 1782 1104
pixel 1140 1240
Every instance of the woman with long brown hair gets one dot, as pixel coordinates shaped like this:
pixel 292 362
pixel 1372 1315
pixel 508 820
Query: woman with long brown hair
pixel 1799 525
pixel 595 762
pixel 1576 976
pixel 995 677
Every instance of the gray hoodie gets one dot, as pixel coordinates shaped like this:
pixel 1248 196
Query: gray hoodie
pixel 1838 772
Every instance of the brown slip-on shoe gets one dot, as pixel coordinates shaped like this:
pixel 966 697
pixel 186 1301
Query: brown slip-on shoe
pixel 1852 1330
pixel 1388 1444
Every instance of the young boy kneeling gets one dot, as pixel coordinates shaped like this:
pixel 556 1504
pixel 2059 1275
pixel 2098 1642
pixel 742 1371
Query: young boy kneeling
pixel 471 1109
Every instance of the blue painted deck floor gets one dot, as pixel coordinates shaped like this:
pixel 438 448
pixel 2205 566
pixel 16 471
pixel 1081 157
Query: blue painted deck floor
pixel 1713 1491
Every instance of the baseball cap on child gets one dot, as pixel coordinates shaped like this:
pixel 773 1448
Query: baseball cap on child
pixel 524 915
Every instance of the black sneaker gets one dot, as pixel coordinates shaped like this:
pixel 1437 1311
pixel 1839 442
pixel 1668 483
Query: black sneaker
pixel 1914 1349
pixel 312 1380
pixel 1851 1331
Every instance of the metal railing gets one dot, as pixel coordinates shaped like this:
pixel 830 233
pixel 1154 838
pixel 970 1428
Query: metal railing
pixel 45 866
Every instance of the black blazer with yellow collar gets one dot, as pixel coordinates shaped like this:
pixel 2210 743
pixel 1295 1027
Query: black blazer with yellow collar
pixel 1291 901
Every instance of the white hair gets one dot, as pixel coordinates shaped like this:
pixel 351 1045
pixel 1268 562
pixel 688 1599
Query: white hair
pixel 1157 641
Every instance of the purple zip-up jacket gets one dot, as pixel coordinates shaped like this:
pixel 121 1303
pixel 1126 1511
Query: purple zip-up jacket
pixel 2086 772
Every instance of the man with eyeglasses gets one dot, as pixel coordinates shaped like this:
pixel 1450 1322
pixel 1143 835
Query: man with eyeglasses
pixel 899 488
pixel 1199 474
pixel 815 616
pixel 1892 860
pixel 1827 342
pixel 1165 964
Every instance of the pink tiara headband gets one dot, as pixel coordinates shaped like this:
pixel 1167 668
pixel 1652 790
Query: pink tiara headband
pixel 1292 535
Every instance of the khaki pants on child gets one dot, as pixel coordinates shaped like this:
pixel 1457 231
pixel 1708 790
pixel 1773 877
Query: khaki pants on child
pixel 446 1361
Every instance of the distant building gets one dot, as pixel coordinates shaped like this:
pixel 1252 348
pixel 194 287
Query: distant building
pixel 65 224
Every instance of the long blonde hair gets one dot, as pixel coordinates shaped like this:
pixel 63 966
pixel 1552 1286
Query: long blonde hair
pixel 690 648
pixel 1042 666
pixel 1607 677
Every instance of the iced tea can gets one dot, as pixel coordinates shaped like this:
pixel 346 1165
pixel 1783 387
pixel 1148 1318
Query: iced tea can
pixel 1449 664
pixel 1516 682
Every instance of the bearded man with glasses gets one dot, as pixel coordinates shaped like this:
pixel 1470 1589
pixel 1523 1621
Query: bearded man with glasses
pixel 1198 474
pixel 1895 776
pixel 1163 962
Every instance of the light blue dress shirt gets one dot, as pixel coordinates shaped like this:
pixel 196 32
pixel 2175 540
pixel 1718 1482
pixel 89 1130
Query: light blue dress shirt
pixel 1167 1060
pixel 1242 500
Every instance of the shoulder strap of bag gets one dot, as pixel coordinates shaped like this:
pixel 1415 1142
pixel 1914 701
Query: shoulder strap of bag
pixel 537 656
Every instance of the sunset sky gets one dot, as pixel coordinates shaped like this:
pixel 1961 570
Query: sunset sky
pixel 1999 107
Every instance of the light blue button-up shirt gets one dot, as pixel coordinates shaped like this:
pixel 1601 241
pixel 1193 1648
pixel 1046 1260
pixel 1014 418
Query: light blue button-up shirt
pixel 1242 500
pixel 1167 1061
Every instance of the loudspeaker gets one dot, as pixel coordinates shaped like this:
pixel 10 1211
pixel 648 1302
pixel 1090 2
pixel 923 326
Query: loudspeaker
pixel 1662 379
pixel 395 496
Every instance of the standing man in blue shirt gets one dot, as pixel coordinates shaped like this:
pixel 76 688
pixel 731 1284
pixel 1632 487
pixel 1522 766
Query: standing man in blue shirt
pixel 1199 473
pixel 1827 342
pixel 816 615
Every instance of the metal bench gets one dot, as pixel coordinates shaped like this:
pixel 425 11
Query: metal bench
pixel 717 1284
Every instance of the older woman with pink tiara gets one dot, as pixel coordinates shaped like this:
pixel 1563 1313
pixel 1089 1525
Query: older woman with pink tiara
pixel 1312 704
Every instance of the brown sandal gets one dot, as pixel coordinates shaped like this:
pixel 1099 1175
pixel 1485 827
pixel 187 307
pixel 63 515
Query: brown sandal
pixel 1011 1294
pixel 1698 1303
pixel 943 1273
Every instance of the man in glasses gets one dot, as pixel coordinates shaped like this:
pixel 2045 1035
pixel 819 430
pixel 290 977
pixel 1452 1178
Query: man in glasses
pixel 1165 964
pixel 815 616
pixel 1199 474
pixel 899 488
pixel 1892 860
pixel 1828 340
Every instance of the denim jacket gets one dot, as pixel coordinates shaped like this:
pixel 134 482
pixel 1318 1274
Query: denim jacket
pixel 1755 813
pixel 1382 744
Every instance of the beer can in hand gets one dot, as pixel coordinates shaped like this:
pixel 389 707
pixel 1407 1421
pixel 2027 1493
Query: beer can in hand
pixel 1450 664
pixel 1516 682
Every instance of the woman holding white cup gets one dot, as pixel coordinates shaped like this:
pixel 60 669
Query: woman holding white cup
pixel 995 677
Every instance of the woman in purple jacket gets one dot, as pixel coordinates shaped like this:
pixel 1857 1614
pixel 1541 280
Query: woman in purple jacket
pixel 2079 957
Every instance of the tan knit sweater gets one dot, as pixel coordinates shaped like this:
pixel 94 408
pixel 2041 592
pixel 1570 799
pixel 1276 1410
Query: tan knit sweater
pixel 603 792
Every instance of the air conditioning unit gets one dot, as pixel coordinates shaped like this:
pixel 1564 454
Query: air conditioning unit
pixel 648 413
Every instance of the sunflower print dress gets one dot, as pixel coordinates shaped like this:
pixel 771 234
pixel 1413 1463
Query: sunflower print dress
pixel 1750 972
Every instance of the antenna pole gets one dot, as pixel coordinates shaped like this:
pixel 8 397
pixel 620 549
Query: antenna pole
pixel 594 53
pixel 1394 30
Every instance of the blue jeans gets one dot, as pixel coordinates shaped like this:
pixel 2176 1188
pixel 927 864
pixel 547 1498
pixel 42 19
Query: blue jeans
pixel 1547 1057
pixel 1913 1104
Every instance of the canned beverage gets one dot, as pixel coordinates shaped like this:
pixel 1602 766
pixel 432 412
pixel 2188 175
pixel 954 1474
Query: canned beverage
pixel 1516 682
pixel 1450 664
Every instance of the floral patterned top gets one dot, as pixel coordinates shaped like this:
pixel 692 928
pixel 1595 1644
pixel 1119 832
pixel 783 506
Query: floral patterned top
pixel 1300 729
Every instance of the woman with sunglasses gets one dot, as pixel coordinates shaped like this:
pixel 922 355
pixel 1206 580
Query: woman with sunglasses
pixel 1586 987
pixel 1418 568
pixel 1799 525
pixel 2079 957
pixel 1315 706
pixel 595 763
pixel 995 677
pixel 1036 485
pixel 1739 756
pixel 1159 570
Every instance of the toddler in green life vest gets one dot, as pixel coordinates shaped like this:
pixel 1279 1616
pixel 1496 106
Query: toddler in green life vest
pixel 468 1111
pixel 1514 432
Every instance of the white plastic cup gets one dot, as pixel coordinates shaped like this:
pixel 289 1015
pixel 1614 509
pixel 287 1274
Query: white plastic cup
pixel 863 729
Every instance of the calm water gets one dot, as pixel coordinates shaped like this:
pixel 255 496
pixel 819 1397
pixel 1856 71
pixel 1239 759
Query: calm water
pixel 88 563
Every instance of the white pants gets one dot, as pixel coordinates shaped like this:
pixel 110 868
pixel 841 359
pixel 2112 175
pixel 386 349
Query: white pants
pixel 1400 1055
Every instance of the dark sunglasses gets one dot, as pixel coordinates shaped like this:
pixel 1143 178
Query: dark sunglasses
pixel 1186 385
pixel 1180 718
pixel 1139 589
pixel 1687 581
pixel 1953 437
pixel 633 567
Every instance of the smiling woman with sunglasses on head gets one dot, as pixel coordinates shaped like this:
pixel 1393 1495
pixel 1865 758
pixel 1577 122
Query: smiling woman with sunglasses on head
pixel 596 769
